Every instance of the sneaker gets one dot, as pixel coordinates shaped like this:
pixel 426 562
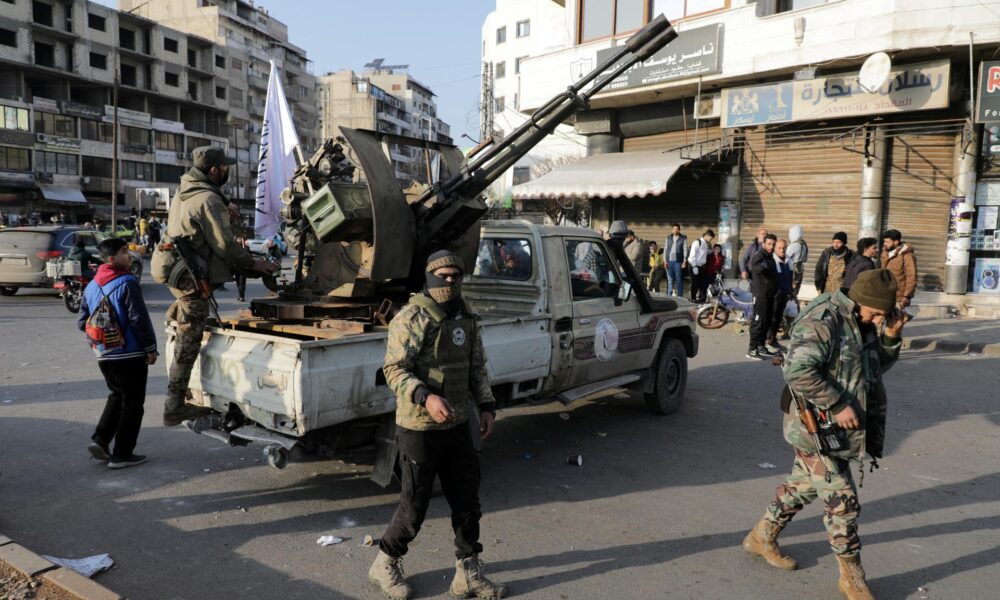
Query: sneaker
pixel 776 346
pixel 99 450
pixel 131 461
pixel 755 355
pixel 764 352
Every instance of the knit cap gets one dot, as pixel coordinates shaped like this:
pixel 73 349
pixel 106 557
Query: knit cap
pixel 874 289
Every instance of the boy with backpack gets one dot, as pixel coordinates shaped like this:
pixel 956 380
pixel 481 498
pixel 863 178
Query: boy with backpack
pixel 114 317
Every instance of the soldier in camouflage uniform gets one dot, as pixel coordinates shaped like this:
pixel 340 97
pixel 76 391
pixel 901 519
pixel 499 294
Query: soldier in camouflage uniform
pixel 436 367
pixel 198 212
pixel 835 363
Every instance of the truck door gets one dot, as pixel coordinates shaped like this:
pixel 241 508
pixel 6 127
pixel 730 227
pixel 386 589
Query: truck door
pixel 605 332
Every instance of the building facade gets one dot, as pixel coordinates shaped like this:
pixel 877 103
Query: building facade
pixel 251 38
pixel 755 117
pixel 517 30
pixel 57 65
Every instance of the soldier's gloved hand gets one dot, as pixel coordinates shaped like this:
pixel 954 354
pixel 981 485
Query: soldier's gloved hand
pixel 440 410
pixel 264 266
pixel 485 425
pixel 847 419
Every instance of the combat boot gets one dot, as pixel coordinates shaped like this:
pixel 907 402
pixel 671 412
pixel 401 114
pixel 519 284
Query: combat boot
pixel 852 578
pixel 387 573
pixel 470 582
pixel 762 541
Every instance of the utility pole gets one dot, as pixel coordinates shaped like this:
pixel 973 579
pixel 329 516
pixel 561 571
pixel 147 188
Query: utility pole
pixel 114 153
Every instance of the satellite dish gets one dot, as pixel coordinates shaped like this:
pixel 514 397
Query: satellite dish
pixel 874 72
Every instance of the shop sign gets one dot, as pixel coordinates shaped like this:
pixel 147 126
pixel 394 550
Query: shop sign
pixel 988 96
pixel 12 137
pixel 76 109
pixel 909 87
pixel 165 125
pixel 45 104
pixel 986 278
pixel 695 52
pixel 61 143
pixel 14 178
pixel 127 116
pixel 988 192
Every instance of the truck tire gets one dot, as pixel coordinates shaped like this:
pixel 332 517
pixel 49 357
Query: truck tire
pixel 670 378
pixel 7 290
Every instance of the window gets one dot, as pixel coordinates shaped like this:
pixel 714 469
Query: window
pixel 501 34
pixel 55 124
pixel 499 104
pixel 503 259
pixel 171 45
pixel 789 5
pixel 192 90
pixel 500 70
pixel 8 37
pixel 138 171
pixel 171 79
pixel 169 173
pixel 220 92
pixel 96 22
pixel 521 175
pixel 128 76
pixel 15 159
pixel 15 118
pixel 236 64
pixel 97 131
pixel 41 13
pixel 196 142
pixel 604 18
pixel 126 38
pixel 517 64
pixel 523 28
pixel 680 9
pixel 93 166
pixel 592 274
pixel 220 61
pixel 173 142
pixel 235 97
pixel 192 58
pixel 56 162
pixel 45 54
pixel 98 61
pixel 135 137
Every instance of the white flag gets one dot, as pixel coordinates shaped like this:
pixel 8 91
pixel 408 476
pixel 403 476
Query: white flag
pixel 277 159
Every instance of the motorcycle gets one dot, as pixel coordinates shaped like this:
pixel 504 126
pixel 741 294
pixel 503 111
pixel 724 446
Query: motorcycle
pixel 735 301
pixel 69 280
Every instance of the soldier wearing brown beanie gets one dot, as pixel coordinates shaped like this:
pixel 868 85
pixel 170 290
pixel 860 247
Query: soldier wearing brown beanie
pixel 841 344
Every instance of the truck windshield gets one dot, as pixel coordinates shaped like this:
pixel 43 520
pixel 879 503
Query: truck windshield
pixel 504 258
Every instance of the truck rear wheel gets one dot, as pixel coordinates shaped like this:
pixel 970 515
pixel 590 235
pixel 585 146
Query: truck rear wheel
pixel 670 373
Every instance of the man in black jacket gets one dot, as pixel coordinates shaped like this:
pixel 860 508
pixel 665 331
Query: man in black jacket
pixel 866 259
pixel 764 286
pixel 832 264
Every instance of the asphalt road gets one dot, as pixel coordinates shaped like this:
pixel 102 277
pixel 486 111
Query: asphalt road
pixel 657 510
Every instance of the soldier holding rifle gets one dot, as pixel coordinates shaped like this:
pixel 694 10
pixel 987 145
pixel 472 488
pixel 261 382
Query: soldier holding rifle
pixel 835 407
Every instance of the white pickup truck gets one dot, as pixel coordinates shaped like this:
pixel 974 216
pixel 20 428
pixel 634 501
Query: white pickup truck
pixel 561 319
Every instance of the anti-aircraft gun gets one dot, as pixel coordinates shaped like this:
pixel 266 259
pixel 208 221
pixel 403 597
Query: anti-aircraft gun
pixel 370 238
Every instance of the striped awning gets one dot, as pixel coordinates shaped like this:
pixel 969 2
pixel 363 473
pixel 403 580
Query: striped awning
pixel 54 193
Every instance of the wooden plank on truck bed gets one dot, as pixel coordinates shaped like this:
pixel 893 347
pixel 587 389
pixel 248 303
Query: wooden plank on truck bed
pixel 327 329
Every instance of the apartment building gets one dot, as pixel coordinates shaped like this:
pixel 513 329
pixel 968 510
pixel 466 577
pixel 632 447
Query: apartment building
pixel 384 98
pixel 251 39
pixel 57 67
pixel 754 116
pixel 515 31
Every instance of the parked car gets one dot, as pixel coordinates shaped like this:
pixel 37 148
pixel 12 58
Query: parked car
pixel 122 232
pixel 25 250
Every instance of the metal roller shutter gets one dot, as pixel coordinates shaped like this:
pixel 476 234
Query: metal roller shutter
pixel 693 203
pixel 815 183
pixel 917 199
pixel 671 139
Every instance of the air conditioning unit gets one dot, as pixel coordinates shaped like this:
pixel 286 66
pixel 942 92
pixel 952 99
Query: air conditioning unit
pixel 41 138
pixel 708 106
pixel 85 180
pixel 149 149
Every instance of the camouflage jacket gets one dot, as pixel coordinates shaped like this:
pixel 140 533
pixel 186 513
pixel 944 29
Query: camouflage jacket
pixel 834 362
pixel 200 212
pixel 410 351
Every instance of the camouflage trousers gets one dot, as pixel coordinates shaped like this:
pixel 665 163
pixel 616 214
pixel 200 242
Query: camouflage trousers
pixel 190 311
pixel 808 481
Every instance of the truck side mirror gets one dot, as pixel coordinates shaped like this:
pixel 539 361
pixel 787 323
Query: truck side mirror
pixel 624 293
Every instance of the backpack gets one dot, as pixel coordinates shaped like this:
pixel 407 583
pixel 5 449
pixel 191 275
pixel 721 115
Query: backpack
pixel 102 328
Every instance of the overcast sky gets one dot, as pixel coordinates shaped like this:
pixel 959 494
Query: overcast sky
pixel 439 39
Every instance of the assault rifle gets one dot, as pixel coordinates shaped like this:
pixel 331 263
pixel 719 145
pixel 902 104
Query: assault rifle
pixel 827 436
pixel 189 258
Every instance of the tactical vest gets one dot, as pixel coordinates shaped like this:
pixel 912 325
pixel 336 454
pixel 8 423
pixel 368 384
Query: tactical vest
pixel 445 367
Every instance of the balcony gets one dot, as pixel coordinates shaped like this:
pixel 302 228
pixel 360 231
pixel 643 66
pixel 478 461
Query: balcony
pixel 257 82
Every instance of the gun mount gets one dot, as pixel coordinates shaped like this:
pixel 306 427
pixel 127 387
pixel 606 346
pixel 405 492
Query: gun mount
pixel 369 238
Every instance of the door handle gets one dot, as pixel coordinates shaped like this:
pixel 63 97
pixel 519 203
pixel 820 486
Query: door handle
pixel 565 341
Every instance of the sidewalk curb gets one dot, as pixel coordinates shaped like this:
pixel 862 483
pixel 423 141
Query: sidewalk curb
pixel 17 558
pixel 933 345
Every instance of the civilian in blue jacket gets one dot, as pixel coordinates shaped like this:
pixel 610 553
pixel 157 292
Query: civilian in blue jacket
pixel 124 364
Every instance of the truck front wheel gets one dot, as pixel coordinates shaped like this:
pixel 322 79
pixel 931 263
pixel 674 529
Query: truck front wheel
pixel 670 373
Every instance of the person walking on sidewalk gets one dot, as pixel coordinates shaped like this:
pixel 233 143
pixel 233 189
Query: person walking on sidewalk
pixel 675 255
pixel 436 367
pixel 198 213
pixel 781 298
pixel 697 257
pixel 866 259
pixel 898 258
pixel 657 268
pixel 114 316
pixel 835 364
pixel 764 287
pixel 832 263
